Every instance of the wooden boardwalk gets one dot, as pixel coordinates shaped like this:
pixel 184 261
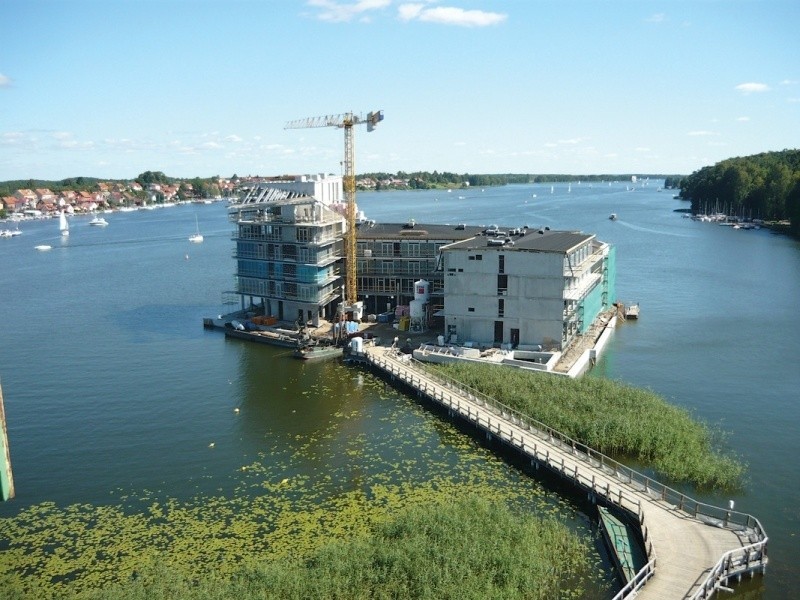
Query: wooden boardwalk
pixel 693 548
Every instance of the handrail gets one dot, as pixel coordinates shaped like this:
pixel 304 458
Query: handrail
pixel 727 567
pixel 655 490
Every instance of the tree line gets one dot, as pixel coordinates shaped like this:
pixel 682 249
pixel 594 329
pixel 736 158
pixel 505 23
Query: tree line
pixel 430 180
pixel 762 186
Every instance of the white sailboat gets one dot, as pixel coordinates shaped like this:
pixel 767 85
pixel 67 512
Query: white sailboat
pixel 197 237
pixel 62 224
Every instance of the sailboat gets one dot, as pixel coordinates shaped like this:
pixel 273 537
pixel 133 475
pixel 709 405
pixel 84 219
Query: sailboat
pixel 197 237
pixel 62 224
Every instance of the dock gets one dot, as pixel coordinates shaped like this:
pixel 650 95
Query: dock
pixel 692 549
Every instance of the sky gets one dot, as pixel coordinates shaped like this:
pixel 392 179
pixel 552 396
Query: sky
pixel 198 88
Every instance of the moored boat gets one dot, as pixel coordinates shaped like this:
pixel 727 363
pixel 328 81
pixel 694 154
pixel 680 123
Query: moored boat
pixel 622 543
pixel 317 352
pixel 263 337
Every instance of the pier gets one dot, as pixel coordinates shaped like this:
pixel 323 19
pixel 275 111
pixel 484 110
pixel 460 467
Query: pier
pixel 693 549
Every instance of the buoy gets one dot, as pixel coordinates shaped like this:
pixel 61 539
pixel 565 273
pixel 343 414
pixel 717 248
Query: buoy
pixel 211 445
pixel 236 410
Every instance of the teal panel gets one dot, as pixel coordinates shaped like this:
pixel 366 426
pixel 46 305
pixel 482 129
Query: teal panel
pixel 592 306
pixel 610 275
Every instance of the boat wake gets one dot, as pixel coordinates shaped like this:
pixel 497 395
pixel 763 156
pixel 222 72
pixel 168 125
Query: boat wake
pixel 656 231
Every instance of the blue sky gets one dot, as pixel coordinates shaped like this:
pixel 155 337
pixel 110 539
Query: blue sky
pixel 112 88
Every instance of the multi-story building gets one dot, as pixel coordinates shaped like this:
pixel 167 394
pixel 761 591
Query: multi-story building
pixel 522 288
pixel 526 288
pixel 392 256
pixel 288 249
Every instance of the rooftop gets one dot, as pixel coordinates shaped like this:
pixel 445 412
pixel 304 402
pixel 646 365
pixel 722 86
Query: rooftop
pixel 383 231
pixel 536 240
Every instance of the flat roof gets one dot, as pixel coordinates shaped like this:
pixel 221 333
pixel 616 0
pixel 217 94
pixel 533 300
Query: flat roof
pixel 420 231
pixel 472 236
pixel 535 240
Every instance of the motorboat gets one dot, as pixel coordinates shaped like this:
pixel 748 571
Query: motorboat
pixel 98 221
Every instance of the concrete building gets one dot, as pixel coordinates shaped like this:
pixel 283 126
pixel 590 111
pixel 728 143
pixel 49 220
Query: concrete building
pixel 519 288
pixel 392 256
pixel 526 288
pixel 288 249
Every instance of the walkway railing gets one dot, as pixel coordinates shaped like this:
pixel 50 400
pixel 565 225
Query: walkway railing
pixel 733 563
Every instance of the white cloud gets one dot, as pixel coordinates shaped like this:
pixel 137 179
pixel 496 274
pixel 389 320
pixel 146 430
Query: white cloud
pixel 742 119
pixel 701 133
pixel 789 82
pixel 12 137
pixel 449 15
pixel 642 149
pixel 407 12
pixel 70 144
pixel 233 138
pixel 5 81
pixel 749 88
pixel 656 18
pixel 339 12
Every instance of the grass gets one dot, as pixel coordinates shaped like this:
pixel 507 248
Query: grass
pixel 464 548
pixel 613 418
pixel 379 502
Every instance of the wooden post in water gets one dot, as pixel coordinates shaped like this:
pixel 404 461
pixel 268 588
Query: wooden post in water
pixel 6 477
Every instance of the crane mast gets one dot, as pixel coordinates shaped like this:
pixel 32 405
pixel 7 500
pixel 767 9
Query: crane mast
pixel 345 121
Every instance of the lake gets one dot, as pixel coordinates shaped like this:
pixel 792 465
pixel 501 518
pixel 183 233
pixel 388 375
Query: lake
pixel 117 397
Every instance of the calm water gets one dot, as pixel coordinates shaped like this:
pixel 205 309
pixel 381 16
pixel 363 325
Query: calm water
pixel 111 384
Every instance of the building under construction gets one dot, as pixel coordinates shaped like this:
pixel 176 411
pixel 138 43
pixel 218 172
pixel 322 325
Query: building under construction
pixel 515 287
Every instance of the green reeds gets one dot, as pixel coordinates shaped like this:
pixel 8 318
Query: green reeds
pixel 613 418
pixel 467 548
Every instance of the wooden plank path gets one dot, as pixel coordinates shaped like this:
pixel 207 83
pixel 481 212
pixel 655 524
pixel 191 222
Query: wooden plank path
pixel 693 548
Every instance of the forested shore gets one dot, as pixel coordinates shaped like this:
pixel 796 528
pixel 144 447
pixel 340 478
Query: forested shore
pixel 763 186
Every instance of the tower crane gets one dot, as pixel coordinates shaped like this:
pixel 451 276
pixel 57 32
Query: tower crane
pixel 345 121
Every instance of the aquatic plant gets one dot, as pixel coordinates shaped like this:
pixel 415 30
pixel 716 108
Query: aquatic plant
pixel 613 418
pixel 306 499
pixel 463 548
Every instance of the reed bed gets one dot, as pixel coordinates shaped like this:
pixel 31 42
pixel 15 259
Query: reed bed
pixel 613 418
pixel 466 548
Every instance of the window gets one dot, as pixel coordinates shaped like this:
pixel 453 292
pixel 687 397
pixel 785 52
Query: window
pixel 471 309
pixel 501 268
pixel 502 285
pixel 501 307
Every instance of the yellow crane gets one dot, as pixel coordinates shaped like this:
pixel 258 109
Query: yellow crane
pixel 345 121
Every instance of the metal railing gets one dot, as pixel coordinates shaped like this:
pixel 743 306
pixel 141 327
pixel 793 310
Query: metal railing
pixel 732 563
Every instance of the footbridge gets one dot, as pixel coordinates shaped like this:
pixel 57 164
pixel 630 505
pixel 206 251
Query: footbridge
pixel 693 549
